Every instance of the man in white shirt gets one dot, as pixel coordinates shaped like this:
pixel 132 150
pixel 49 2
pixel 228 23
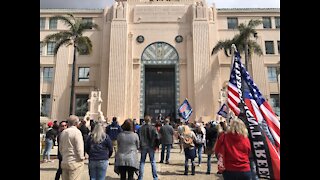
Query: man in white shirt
pixel 71 148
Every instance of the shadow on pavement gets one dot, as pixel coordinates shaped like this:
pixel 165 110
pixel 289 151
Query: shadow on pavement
pixel 167 173
pixel 175 164
pixel 48 169
pixel 111 178
pixel 218 177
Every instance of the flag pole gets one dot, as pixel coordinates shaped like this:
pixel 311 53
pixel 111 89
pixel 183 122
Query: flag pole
pixel 233 50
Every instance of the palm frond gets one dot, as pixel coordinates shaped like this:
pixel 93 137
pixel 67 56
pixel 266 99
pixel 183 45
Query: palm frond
pixel 226 45
pixel 60 43
pixel 254 23
pixel 65 20
pixel 57 36
pixel 86 26
pixel 84 45
pixel 255 47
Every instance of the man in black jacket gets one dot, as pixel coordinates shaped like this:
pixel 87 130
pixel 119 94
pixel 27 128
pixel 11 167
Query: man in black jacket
pixel 148 135
pixel 62 126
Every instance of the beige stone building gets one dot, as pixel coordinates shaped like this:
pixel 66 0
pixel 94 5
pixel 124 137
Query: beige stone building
pixel 148 56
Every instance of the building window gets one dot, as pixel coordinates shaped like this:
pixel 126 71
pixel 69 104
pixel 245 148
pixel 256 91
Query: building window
pixel 47 74
pixel 87 19
pixel 269 47
pixel 275 103
pixel 53 23
pixel 277 22
pixel 50 48
pixel 232 23
pixel 81 104
pixel 45 105
pixel 83 74
pixel 273 73
pixel 266 22
pixel 278 43
pixel 42 23
pixel 41 47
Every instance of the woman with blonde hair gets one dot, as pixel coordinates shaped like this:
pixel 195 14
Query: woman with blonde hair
pixel 188 137
pixel 236 146
pixel 99 148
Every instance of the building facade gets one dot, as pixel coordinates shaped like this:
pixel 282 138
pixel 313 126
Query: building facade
pixel 148 56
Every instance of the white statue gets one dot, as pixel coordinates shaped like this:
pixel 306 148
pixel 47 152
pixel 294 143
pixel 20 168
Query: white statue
pixel 95 112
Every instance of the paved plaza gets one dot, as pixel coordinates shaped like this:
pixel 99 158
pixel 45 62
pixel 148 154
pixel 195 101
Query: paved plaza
pixel 172 171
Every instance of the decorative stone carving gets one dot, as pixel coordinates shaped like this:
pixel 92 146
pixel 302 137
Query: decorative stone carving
pixel 120 11
pixel 199 10
pixel 210 14
pixel 223 93
pixel 95 112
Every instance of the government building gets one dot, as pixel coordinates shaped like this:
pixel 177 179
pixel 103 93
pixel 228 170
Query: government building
pixel 149 56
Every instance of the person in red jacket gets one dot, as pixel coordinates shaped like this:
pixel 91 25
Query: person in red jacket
pixel 236 151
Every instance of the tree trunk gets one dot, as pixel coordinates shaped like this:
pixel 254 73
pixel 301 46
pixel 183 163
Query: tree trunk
pixel 72 80
pixel 246 56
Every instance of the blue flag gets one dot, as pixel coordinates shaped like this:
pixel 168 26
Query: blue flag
pixel 223 111
pixel 185 110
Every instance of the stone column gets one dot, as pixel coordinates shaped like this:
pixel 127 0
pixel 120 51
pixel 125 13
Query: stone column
pixel 118 63
pixel 201 70
pixel 61 84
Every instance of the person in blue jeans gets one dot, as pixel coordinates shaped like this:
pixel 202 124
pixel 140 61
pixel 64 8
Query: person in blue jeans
pixel 50 137
pixel 99 148
pixel 200 140
pixel 166 134
pixel 147 134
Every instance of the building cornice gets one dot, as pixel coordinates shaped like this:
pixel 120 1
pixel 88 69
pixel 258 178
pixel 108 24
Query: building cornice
pixel 71 10
pixel 221 10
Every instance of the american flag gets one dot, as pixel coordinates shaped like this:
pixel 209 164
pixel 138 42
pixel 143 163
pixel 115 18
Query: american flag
pixel 258 106
pixel 254 100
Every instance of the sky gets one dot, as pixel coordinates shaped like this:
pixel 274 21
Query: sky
pixel 104 3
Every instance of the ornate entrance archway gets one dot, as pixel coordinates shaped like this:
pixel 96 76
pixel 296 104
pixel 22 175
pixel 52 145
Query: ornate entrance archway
pixel 159 55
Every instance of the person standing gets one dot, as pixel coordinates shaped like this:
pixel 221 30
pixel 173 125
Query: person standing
pixel 166 136
pixel 113 130
pixel 180 131
pixel 148 135
pixel 188 138
pixel 211 136
pixel 200 140
pixel 62 126
pixel 126 159
pixel 99 148
pixel 135 125
pixel 237 150
pixel 49 142
pixel 84 131
pixel 72 150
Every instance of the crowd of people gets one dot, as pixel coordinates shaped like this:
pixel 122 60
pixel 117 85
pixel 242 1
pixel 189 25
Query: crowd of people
pixel 100 141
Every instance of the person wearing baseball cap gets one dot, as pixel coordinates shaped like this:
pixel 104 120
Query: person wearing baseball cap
pixel 50 137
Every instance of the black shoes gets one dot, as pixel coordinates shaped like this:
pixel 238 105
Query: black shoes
pixel 167 162
pixel 207 172
pixel 161 162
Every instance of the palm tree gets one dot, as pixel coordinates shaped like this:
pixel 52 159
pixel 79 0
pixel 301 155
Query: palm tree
pixel 242 41
pixel 72 36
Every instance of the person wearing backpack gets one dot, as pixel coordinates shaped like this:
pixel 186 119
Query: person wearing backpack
pixel 188 137
pixel 199 143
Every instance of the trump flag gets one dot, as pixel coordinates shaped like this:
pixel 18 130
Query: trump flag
pixel 224 110
pixel 247 102
pixel 185 110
